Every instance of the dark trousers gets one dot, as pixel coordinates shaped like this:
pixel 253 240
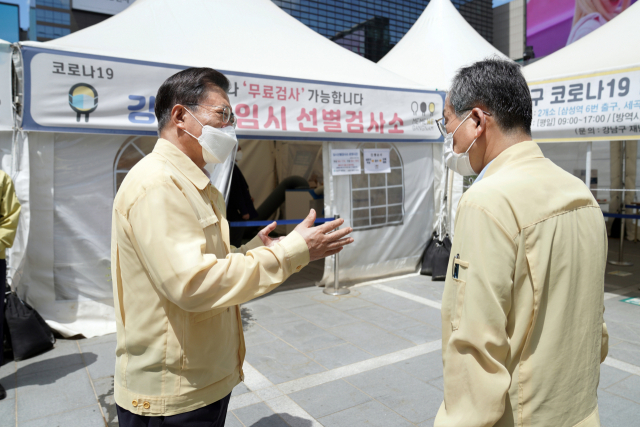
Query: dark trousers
pixel 3 285
pixel 213 415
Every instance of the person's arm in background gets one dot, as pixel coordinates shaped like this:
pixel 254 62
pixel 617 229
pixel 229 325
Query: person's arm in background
pixel 474 320
pixel 9 213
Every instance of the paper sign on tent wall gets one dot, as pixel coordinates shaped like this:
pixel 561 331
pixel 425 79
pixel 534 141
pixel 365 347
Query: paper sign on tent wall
pixel 345 162
pixel 377 161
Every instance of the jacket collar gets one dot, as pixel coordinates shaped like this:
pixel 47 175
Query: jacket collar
pixel 517 152
pixel 181 161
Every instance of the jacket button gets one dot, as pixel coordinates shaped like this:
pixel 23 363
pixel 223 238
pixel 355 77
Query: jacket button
pixel 146 405
pixel 135 403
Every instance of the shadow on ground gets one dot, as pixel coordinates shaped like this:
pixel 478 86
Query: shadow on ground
pixel 48 371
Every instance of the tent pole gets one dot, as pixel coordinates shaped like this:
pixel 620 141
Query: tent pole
pixel 336 282
pixel 587 179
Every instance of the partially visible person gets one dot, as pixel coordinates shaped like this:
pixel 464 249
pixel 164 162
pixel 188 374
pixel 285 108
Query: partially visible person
pixel 590 15
pixel 523 333
pixel 240 206
pixel 9 216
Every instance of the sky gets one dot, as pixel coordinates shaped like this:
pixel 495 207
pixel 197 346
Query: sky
pixel 497 3
pixel 24 11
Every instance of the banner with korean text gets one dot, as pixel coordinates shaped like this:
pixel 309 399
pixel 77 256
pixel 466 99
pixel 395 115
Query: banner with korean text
pixel 71 92
pixel 602 106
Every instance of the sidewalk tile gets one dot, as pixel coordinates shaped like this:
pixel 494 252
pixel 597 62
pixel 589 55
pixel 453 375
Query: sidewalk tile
pixel 628 388
pixel 279 362
pixel 371 338
pixel 370 414
pixel 232 421
pixel 8 411
pixel 100 359
pixel 610 376
pixel 415 400
pixel 240 389
pixel 259 415
pixel 109 338
pixel 428 423
pixel 340 355
pixel 290 300
pixel 420 334
pixel 390 301
pixel 64 354
pixel 425 367
pixel 329 398
pixel 8 379
pixel 304 335
pixel 266 313
pixel 627 352
pixel 104 391
pixel 616 411
pixel 53 391
pixel 349 302
pixel 429 315
pixel 255 334
pixel 324 315
pixel 384 318
pixel 88 416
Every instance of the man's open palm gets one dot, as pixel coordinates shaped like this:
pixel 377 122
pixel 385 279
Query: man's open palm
pixel 320 240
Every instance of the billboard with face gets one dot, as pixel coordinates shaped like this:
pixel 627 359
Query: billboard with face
pixel 554 24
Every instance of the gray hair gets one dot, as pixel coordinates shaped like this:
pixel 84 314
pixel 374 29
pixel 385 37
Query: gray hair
pixel 498 86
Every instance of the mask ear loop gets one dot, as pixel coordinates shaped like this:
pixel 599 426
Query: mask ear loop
pixel 189 133
pixel 474 141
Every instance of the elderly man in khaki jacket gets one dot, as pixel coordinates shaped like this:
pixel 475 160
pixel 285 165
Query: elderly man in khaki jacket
pixel 523 334
pixel 177 281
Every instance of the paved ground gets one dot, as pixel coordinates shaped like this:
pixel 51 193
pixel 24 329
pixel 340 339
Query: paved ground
pixel 371 358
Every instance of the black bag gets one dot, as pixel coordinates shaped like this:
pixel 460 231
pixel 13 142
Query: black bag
pixel 427 257
pixel 440 260
pixel 30 334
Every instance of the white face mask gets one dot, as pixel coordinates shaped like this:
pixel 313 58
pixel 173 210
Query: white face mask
pixel 216 143
pixel 459 163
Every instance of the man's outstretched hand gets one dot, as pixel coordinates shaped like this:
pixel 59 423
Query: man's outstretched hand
pixel 320 240
pixel 264 235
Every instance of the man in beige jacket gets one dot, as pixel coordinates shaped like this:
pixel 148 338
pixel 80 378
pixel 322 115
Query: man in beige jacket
pixel 177 281
pixel 523 334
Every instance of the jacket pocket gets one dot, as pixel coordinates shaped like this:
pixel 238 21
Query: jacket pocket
pixel 460 268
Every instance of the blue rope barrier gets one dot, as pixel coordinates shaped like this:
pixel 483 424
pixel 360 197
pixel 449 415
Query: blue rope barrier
pixel 632 206
pixel 280 222
pixel 614 215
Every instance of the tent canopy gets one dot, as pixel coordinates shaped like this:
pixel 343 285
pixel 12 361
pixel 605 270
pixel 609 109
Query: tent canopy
pixel 439 43
pixel 605 49
pixel 242 35
pixel 588 90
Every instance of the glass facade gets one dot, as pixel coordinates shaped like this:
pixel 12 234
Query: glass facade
pixel 48 32
pixel 372 27
pixel 53 19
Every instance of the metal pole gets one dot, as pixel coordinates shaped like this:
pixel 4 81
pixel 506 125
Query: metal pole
pixel 336 280
pixel 620 262
pixel 587 179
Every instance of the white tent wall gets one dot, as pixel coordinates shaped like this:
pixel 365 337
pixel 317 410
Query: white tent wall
pixel 388 249
pixel 6 114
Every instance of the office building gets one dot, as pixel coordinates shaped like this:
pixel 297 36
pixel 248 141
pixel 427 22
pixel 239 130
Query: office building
pixel 372 27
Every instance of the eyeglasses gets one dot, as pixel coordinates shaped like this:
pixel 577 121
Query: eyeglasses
pixel 442 126
pixel 227 114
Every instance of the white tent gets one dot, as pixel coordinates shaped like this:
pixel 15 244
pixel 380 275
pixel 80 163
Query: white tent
pixel 6 116
pixel 439 43
pixel 588 92
pixel 88 111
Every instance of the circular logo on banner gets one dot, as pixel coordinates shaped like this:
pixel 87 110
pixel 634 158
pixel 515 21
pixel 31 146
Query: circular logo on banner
pixel 83 99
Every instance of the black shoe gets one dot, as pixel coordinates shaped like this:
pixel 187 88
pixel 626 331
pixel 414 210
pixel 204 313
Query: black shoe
pixel 3 393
